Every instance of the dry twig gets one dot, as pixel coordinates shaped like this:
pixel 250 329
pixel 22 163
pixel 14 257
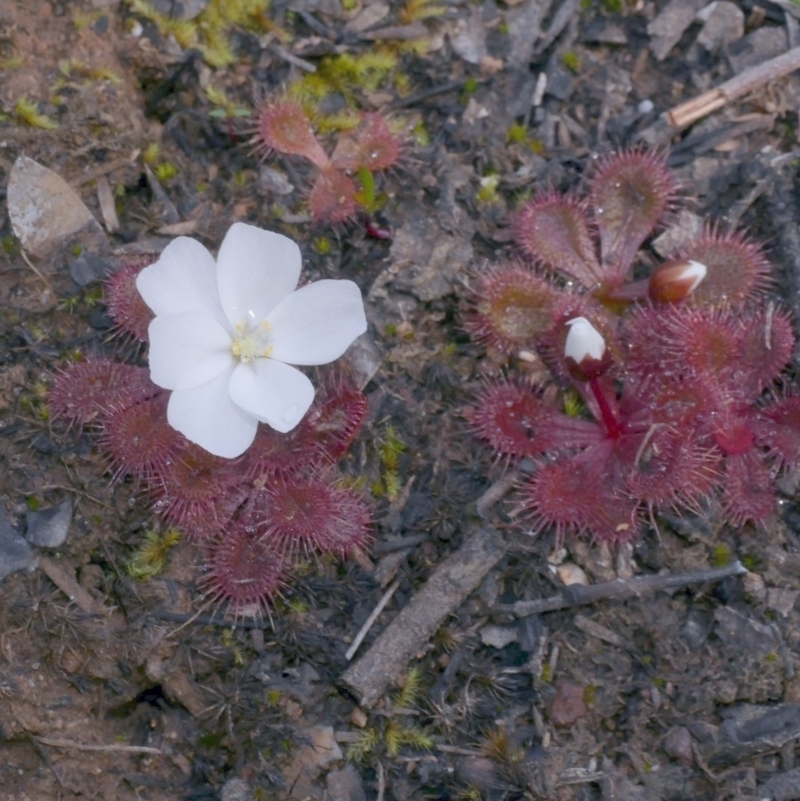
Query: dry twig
pixel 118 747
pixel 749 80
pixel 577 594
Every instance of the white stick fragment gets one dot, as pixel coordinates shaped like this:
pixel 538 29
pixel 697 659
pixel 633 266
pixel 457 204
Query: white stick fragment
pixel 387 596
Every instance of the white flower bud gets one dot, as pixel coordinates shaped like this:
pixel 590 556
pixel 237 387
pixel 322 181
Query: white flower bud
pixel 583 341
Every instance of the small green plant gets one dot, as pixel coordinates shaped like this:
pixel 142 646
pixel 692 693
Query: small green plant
pixel 572 61
pixel 389 451
pixel 225 108
pixel 487 193
pixel 81 19
pixel 151 557
pixel 498 746
pixel 72 68
pixel 28 114
pixel 468 89
pixel 390 736
pixel 415 10
pixel 164 171
pixel 210 30
pixel 721 555
pixel 516 134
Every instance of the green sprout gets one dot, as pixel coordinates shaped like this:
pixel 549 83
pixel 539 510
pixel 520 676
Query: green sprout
pixel 164 171
pixel 721 555
pixel 365 197
pixel 322 245
pixel 572 403
pixel 390 736
pixel 572 61
pixel 389 451
pixel 487 192
pixel 151 557
pixel 516 134
pixel 28 113
pixel 226 108
pixel 415 10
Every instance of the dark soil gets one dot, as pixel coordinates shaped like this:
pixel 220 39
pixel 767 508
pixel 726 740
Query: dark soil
pixel 113 688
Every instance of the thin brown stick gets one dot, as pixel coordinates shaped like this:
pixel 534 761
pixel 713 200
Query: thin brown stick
pixel 36 272
pixel 747 81
pixel 130 749
pixel 578 595
pixel 103 169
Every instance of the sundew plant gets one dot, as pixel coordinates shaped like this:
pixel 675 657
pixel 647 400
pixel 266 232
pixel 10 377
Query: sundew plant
pixel 228 441
pixel 345 180
pixel 680 372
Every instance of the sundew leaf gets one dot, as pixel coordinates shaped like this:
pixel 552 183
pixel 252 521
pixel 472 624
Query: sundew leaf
pixel 629 192
pixel 553 229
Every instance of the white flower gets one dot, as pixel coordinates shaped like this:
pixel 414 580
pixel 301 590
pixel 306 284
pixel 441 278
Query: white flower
pixel 583 341
pixel 226 333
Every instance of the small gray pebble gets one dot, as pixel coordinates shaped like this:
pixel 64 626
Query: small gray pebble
pixel 49 527
pixel 15 553
pixel 87 268
pixel 236 790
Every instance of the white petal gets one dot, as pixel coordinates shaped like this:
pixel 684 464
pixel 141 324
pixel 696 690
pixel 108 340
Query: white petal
pixel 317 324
pixel 256 270
pixel 184 277
pixel 274 392
pixel 207 416
pixel 583 340
pixel 187 350
pixel 697 272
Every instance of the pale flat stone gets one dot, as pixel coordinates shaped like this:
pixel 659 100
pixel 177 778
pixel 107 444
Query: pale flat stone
pixel 44 210
pixel 498 636
pixel 319 751
pixel 668 27
pixel 723 25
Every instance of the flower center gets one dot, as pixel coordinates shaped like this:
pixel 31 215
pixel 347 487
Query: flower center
pixel 251 343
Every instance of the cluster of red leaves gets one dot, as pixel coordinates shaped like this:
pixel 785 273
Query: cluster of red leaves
pixel 254 516
pixel 691 408
pixel 283 127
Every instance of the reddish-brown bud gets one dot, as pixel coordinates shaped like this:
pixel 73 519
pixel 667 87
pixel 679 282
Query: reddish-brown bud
pixel 676 280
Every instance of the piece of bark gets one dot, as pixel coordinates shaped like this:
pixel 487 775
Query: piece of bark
pixel 447 588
